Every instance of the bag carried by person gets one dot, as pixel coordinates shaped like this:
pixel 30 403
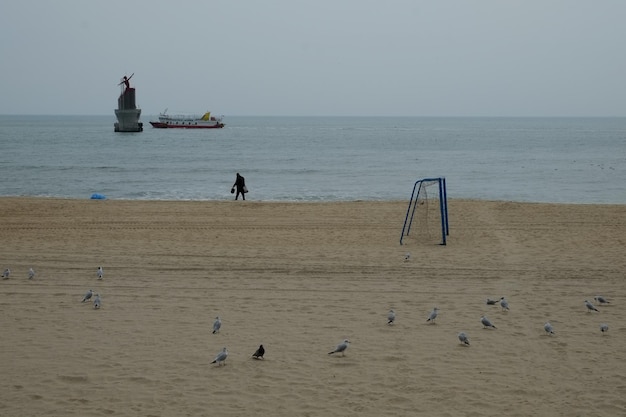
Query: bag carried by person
pixel 232 190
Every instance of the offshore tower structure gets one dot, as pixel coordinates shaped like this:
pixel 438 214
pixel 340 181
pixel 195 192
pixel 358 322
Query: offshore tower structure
pixel 127 112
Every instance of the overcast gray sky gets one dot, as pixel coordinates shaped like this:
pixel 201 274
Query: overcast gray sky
pixel 340 57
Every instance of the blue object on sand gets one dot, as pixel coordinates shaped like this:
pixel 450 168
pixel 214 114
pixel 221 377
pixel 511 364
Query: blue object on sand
pixel 96 196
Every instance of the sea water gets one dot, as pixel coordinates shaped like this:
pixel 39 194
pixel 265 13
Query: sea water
pixel 563 160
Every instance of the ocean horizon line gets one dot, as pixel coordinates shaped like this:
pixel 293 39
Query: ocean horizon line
pixel 112 114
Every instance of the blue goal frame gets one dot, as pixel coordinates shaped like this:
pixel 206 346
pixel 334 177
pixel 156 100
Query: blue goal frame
pixel 443 207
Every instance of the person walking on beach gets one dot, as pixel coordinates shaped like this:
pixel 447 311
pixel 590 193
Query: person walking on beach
pixel 240 186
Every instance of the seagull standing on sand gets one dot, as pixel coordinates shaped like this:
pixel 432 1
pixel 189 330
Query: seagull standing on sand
pixel 407 256
pixel 391 317
pixel 217 324
pixel 601 300
pixel 491 302
pixel 486 323
pixel 100 273
pixel 6 273
pixel 504 304
pixel 548 328
pixel 433 315
pixel 221 357
pixel 87 296
pixel 463 338
pixel 341 348
pixel 97 302
pixel 604 328
pixel 259 353
pixel 31 273
pixel 590 306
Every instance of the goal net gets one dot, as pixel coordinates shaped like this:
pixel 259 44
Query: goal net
pixel 427 214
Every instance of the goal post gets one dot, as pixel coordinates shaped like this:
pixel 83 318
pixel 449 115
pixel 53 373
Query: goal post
pixel 427 210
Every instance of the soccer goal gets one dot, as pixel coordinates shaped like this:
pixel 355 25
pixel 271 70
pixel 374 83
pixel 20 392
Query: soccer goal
pixel 428 211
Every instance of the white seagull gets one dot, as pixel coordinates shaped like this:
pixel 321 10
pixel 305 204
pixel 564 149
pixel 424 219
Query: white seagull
pixel 6 273
pixel 604 328
pixel 504 304
pixel 31 273
pixel 463 338
pixel 341 348
pixel 221 357
pixel 100 273
pixel 87 296
pixel 590 306
pixel 391 317
pixel 97 302
pixel 601 300
pixel 548 328
pixel 486 323
pixel 407 256
pixel 217 324
pixel 433 315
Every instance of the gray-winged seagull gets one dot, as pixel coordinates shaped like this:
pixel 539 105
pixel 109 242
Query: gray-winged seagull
pixel 221 357
pixel 486 323
pixel 87 296
pixel 341 348
pixel 217 324
pixel 548 328
pixel 601 300
pixel 433 315
pixel 590 306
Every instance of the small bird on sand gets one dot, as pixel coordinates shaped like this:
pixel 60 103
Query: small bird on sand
pixel 407 256
pixel 463 338
pixel 391 317
pixel 491 302
pixel 259 353
pixel 341 348
pixel 504 304
pixel 100 273
pixel 486 323
pixel 548 328
pixel 433 315
pixel 87 296
pixel 600 299
pixel 590 307
pixel 604 327
pixel 221 357
pixel 97 302
pixel 6 273
pixel 217 324
pixel 31 273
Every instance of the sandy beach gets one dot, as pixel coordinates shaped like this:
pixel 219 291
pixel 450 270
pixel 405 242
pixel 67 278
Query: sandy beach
pixel 299 278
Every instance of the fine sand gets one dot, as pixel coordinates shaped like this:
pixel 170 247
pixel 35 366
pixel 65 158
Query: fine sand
pixel 299 278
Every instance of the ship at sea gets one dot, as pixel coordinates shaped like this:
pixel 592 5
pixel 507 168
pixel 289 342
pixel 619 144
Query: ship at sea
pixel 205 121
